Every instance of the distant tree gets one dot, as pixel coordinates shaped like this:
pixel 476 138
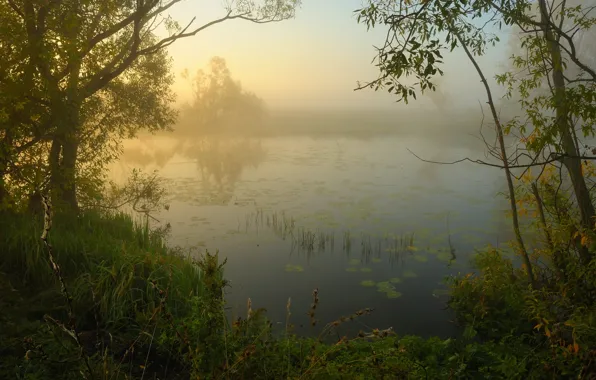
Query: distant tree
pixel 219 103
pixel 77 61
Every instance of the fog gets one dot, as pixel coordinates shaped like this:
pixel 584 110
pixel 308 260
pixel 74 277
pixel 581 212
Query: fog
pixel 311 65
pixel 270 128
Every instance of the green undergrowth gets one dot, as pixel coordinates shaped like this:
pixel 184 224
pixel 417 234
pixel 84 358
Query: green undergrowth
pixel 143 310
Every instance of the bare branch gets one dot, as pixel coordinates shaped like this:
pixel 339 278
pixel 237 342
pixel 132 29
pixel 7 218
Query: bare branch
pixel 521 18
pixel 554 157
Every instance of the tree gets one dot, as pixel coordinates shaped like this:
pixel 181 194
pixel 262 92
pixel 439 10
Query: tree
pixel 419 33
pixel 76 50
pixel 23 113
pixel 413 47
pixel 565 107
pixel 219 102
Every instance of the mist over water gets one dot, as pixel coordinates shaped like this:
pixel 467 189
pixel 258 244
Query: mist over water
pixel 353 214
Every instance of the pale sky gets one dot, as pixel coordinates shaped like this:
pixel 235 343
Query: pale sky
pixel 313 60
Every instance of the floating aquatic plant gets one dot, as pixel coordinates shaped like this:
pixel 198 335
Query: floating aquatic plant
pixel 367 283
pixel 395 280
pixel 366 270
pixel 389 290
pixel 351 269
pixel 385 286
pixel 393 294
pixel 294 268
pixel 420 258
pixel 376 260
pixel 354 262
pixel 409 274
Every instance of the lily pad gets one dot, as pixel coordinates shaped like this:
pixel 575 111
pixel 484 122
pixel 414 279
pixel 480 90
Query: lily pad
pixel 376 260
pixel 354 262
pixel 367 283
pixel 395 280
pixel 385 286
pixel 366 270
pixel 409 274
pixel 411 248
pixel 420 258
pixel 351 269
pixel 294 268
pixel 393 294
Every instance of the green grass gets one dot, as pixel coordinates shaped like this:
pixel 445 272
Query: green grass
pixel 113 268
pixel 109 255
pixel 143 311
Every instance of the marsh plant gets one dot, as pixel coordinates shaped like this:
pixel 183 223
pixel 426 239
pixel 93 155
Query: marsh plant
pixel 105 298
pixel 144 310
pixel 398 247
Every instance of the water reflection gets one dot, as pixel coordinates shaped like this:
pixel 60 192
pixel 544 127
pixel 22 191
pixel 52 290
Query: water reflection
pixel 346 216
pixel 219 161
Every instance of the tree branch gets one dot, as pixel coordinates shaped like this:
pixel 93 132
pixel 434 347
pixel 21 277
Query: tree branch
pixel 521 18
pixel 554 157
pixel 15 8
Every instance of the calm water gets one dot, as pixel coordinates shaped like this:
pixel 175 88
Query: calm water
pixel 363 221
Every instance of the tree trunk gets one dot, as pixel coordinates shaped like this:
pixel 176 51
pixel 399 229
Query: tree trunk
pixel 571 161
pixel 5 157
pixel 63 159
pixel 556 259
pixel 54 162
pixel 68 166
pixel 4 199
pixel 499 128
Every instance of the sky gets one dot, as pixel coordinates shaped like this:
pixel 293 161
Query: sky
pixel 313 60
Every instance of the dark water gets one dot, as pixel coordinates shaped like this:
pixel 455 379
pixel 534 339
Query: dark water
pixel 363 221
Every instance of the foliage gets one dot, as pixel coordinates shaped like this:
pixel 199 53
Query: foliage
pixel 494 306
pixel 534 328
pixel 142 310
pixel 143 193
pixel 220 104
pixel 418 33
pixel 85 75
pixel 555 323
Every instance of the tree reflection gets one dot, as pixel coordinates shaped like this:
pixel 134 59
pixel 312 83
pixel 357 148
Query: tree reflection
pixel 214 131
pixel 220 162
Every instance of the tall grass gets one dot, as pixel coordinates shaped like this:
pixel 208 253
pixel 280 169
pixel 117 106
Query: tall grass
pixel 141 310
pixel 139 307
pixel 107 254
pixel 115 271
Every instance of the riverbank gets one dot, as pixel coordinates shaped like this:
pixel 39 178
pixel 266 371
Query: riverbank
pixel 132 307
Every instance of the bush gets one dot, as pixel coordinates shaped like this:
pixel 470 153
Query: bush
pixel 548 332
pixel 142 310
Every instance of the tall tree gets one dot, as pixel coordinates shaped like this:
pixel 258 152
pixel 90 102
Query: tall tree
pixel 76 49
pixel 219 103
pixel 557 94
pixel 418 33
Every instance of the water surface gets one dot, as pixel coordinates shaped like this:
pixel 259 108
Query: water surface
pixel 362 220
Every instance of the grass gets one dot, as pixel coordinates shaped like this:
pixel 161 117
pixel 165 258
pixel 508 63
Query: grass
pixel 108 254
pixel 142 310
pixel 113 268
